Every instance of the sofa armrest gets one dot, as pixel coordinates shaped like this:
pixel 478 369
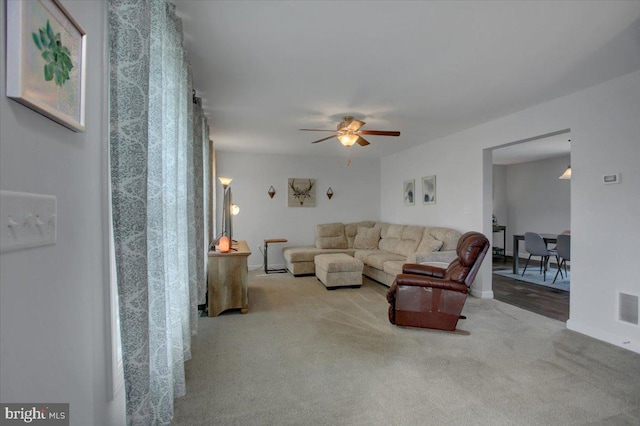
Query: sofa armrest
pixel 435 256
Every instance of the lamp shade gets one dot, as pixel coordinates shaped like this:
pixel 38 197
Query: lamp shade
pixel 225 181
pixel 566 174
pixel 224 244
pixel 235 209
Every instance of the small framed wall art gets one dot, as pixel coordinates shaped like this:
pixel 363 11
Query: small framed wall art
pixel 409 192
pixel 46 50
pixel 301 193
pixel 429 190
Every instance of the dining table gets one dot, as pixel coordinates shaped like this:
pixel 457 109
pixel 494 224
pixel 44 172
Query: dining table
pixel 548 239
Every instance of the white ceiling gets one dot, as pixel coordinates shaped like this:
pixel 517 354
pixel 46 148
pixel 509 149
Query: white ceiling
pixel 429 69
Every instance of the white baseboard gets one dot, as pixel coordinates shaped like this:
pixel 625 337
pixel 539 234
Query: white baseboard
pixel 482 294
pixel 620 341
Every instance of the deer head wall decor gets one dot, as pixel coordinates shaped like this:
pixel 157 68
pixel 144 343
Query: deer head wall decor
pixel 301 192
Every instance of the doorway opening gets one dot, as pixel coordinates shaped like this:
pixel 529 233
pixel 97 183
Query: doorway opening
pixel 526 195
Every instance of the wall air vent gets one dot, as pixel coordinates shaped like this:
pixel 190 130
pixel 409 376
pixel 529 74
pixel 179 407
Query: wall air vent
pixel 628 308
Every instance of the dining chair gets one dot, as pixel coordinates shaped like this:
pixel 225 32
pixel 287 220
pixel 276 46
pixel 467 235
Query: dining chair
pixel 564 253
pixel 565 232
pixel 534 244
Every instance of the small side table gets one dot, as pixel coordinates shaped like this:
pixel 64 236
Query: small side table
pixel 227 280
pixel 501 250
pixel 266 256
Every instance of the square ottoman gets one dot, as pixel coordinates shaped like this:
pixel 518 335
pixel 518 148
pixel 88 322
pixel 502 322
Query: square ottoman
pixel 338 270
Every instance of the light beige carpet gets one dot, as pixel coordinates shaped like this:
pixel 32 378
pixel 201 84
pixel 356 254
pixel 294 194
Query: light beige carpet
pixel 304 355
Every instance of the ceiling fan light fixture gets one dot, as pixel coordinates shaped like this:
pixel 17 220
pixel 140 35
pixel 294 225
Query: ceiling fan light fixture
pixel 347 139
pixel 348 132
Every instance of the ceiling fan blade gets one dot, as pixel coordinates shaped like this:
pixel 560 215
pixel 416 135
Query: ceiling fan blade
pixel 380 132
pixel 324 139
pixel 362 141
pixel 317 130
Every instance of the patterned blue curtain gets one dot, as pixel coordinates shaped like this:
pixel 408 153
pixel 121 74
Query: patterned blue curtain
pixel 158 218
pixel 201 172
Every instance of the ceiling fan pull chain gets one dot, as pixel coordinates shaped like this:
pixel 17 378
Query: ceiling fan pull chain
pixel 349 162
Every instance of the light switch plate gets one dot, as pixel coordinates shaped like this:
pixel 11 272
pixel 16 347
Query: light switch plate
pixel 27 220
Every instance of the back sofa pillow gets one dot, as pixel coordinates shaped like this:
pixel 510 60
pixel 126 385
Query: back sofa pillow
pixel 330 236
pixel 351 229
pixel 448 236
pixel 367 238
pixel 428 243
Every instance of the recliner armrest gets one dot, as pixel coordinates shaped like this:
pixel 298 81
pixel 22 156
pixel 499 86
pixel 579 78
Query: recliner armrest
pixel 424 281
pixel 425 270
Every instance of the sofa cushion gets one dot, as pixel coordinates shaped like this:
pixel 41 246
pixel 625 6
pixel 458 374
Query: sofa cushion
pixel 401 239
pixel 448 236
pixel 393 267
pixel 367 238
pixel 411 237
pixel 378 258
pixel 390 236
pixel 428 243
pixel 331 236
pixel 363 254
pixel 351 230
pixel 392 231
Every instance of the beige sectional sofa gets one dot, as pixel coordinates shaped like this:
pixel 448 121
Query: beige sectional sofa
pixel 382 247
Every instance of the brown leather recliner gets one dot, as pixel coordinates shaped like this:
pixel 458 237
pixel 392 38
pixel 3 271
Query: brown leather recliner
pixel 430 297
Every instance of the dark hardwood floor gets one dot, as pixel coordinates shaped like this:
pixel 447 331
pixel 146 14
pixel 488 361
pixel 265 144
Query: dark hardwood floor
pixel 535 298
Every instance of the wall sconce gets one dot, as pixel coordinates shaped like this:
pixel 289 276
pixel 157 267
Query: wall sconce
pixel 566 174
pixel 329 193
pixel 235 209
pixel 271 191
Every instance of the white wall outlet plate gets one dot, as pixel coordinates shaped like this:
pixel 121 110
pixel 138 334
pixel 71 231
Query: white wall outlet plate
pixel 27 220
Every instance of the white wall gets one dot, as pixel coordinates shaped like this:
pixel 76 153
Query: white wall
pixel 53 299
pixel 604 218
pixel 356 196
pixel 532 198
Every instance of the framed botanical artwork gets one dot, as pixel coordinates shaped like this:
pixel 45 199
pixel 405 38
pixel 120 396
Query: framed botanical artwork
pixel 409 192
pixel 46 52
pixel 429 190
pixel 301 192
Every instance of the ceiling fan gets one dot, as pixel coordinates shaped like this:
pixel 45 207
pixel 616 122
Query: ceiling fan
pixel 349 132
